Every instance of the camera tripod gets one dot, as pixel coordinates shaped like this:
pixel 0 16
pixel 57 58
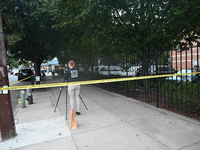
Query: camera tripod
pixel 66 100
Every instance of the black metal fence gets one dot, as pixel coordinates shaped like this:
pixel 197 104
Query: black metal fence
pixel 176 93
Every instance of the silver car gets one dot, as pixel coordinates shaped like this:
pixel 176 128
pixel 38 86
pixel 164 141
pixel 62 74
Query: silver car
pixel 188 77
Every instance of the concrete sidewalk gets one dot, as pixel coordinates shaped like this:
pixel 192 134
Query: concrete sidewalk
pixel 112 122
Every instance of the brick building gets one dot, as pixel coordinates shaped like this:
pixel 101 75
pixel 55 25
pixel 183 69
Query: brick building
pixel 186 59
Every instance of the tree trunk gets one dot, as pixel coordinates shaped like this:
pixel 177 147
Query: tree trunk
pixel 145 65
pixel 37 68
pixel 92 64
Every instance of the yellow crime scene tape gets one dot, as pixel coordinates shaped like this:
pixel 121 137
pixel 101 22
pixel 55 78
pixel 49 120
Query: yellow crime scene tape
pixel 21 80
pixel 89 82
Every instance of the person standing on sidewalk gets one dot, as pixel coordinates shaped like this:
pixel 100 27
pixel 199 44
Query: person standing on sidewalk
pixel 73 90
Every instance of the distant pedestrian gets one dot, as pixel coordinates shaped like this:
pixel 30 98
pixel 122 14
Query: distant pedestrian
pixel 43 73
pixel 73 90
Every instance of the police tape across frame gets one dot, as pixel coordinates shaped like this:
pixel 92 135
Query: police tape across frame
pixel 90 82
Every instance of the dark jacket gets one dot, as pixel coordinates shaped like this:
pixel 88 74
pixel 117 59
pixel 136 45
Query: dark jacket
pixel 71 75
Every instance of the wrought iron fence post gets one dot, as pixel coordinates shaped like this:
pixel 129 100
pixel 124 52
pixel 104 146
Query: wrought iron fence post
pixel 157 94
pixel 127 82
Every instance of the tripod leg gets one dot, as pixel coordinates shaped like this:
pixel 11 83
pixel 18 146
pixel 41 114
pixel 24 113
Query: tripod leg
pixel 83 102
pixel 58 99
pixel 66 101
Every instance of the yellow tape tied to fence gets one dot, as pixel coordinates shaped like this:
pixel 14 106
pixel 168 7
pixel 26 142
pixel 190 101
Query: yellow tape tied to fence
pixel 89 82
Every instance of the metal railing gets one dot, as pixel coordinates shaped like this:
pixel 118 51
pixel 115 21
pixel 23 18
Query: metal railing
pixel 180 94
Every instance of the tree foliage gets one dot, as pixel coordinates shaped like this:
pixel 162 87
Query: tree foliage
pixel 144 27
pixel 12 63
pixel 134 26
pixel 85 30
pixel 28 30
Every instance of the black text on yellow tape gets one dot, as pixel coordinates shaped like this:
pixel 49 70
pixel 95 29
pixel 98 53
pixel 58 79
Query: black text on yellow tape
pixel 90 82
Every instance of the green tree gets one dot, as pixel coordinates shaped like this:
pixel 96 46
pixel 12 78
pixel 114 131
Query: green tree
pixel 163 59
pixel 28 30
pixel 80 34
pixel 12 63
pixel 145 27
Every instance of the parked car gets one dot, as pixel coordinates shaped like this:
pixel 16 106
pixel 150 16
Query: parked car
pixel 131 72
pixel 189 77
pixel 24 73
pixel 162 69
pixel 112 70
pixel 95 69
pixel 14 72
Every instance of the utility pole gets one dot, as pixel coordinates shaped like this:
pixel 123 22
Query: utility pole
pixel 7 125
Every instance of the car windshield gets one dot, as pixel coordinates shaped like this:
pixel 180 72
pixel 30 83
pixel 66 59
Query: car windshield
pixel 26 71
pixel 161 68
pixel 112 68
pixel 187 71
pixel 133 68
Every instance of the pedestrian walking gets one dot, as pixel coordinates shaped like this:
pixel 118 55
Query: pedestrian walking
pixel 73 90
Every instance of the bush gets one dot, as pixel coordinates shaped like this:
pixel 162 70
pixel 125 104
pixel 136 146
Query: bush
pixel 184 94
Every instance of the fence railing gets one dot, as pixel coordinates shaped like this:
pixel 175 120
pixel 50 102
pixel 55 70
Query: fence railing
pixel 177 93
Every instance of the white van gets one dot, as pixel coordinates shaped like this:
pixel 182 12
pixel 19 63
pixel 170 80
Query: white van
pixel 112 70
pixel 131 72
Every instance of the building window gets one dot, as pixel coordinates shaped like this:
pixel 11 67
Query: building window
pixel 195 63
